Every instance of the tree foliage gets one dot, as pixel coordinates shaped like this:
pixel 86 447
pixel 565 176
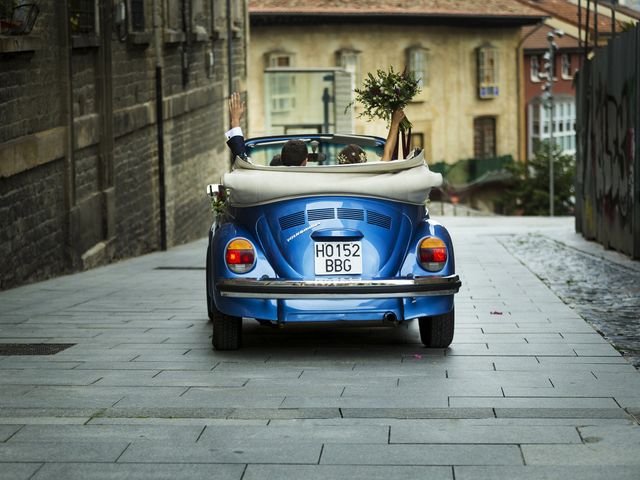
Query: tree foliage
pixel 528 192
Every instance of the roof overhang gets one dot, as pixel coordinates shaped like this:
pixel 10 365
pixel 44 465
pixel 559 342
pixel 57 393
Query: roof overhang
pixel 457 20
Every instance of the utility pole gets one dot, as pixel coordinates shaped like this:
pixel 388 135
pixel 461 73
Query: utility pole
pixel 547 96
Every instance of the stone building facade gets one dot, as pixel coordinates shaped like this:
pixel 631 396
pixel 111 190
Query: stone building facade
pixel 113 115
pixel 465 53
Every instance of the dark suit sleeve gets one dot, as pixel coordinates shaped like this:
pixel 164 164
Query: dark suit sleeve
pixel 236 144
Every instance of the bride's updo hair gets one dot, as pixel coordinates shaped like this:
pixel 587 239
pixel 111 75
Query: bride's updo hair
pixel 352 154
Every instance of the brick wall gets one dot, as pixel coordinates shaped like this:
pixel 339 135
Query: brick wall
pixel 32 239
pixel 65 209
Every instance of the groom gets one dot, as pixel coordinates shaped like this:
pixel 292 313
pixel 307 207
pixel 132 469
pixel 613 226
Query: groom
pixel 294 152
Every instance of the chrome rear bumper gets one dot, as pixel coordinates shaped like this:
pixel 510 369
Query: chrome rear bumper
pixel 345 289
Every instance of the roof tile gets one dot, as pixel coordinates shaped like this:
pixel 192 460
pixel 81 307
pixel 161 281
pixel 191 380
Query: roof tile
pixel 498 8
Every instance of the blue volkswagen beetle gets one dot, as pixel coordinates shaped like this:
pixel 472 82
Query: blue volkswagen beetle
pixel 328 243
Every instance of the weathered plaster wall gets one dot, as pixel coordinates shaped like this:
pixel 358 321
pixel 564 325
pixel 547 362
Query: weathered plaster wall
pixel 445 111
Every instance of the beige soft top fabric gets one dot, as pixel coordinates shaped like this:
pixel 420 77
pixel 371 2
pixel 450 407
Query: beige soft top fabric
pixel 401 180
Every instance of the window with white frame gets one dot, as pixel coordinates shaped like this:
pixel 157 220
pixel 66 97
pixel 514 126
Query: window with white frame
pixel 417 58
pixel 281 84
pixel 564 119
pixel 565 61
pixel 535 68
pixel 349 59
pixel 488 71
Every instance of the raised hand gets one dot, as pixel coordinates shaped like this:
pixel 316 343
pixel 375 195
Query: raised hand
pixel 236 109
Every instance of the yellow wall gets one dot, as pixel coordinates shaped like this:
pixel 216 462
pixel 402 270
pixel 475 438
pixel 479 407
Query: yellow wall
pixel 450 98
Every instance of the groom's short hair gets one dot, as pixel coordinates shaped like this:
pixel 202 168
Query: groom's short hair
pixel 294 153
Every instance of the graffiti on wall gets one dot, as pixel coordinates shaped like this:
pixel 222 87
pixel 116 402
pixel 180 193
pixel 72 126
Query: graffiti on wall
pixel 607 136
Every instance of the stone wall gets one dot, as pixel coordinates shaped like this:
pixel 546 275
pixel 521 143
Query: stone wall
pixel 79 156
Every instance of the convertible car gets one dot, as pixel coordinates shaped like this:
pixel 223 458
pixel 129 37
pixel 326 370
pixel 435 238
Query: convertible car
pixel 328 243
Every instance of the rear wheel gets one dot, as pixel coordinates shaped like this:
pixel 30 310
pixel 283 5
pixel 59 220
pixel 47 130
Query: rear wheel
pixel 437 331
pixel 210 307
pixel 227 332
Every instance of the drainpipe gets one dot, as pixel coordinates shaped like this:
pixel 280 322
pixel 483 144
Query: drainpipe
pixel 158 39
pixel 580 32
pixel 522 130
pixel 230 59
pixel 230 46
pixel 70 140
pixel 595 22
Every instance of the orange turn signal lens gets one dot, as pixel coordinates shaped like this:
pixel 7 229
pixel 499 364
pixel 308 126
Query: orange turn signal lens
pixel 432 254
pixel 240 255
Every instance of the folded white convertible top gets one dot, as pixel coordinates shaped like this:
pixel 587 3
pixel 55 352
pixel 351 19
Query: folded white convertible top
pixel 400 180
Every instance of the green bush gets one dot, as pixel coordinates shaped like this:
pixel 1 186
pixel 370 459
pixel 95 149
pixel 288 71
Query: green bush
pixel 466 171
pixel 528 191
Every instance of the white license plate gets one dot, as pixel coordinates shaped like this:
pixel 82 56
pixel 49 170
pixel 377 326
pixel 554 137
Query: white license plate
pixel 337 258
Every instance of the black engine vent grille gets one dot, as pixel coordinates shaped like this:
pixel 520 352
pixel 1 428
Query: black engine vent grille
pixel 292 220
pixel 379 219
pixel 351 214
pixel 321 214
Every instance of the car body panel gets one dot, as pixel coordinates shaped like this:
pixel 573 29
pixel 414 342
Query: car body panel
pixel 286 234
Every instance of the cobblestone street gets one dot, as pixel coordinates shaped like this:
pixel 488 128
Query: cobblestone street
pixel 528 389
pixel 605 293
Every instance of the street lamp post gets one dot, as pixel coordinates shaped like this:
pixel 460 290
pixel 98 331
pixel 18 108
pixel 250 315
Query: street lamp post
pixel 547 96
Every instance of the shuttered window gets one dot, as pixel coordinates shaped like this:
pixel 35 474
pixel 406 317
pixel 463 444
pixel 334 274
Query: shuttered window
pixel 484 137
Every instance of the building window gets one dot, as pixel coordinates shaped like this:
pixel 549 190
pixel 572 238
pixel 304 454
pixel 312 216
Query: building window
pixel 137 15
pixel 237 12
pixel 417 58
pixel 82 16
pixel 349 59
pixel 173 19
pixel 535 68
pixel 199 18
pixel 280 60
pixel 488 72
pixel 564 119
pixel 217 18
pixel 565 61
pixel 17 18
pixel 484 137
pixel 281 85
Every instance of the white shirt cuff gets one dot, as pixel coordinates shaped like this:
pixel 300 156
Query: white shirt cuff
pixel 234 132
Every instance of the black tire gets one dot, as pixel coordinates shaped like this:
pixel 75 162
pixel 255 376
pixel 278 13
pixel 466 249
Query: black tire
pixel 227 332
pixel 437 331
pixel 211 309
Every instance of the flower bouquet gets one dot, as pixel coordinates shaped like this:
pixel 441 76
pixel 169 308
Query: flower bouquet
pixel 384 93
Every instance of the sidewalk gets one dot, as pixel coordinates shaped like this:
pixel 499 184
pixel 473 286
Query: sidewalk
pixel 527 389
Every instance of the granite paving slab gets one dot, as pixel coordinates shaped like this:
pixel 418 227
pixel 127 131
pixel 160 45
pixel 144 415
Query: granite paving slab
pixel 484 434
pixel 233 452
pixel 555 472
pixel 356 454
pixel 18 471
pixel 340 472
pixel 61 452
pixel 219 435
pixel 107 433
pixel 129 471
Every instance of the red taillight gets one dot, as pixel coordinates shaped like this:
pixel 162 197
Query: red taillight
pixel 240 255
pixel 432 254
